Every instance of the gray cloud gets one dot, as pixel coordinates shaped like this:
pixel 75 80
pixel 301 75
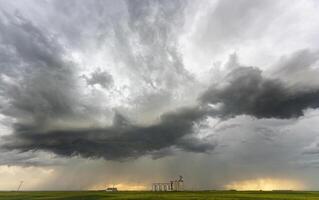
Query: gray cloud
pixel 85 84
pixel 247 92
pixel 102 78
pixel 29 158
pixel 226 127
pixel 42 83
pixel 299 61
pixel 52 117
pixel 150 53
pixel 230 23
pixel 193 144
pixel 120 141
pixel 313 148
pixel 43 91
pixel 299 69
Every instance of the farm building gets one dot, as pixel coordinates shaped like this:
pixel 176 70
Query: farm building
pixel 111 189
pixel 174 185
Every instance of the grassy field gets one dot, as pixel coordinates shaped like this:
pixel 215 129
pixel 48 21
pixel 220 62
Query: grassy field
pixel 211 195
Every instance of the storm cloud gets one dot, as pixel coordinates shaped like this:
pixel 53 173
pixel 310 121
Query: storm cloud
pixel 104 88
pixel 42 84
pixel 47 99
pixel 120 141
pixel 246 92
pixel 101 78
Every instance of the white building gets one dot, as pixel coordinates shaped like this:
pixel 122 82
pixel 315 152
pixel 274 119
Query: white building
pixel 111 189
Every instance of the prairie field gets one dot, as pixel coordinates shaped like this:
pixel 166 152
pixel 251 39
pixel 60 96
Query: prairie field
pixel 189 195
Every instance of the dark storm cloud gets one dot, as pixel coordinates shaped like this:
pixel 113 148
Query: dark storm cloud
pixel 41 83
pixel 193 144
pixel 102 78
pixel 42 88
pixel 120 141
pixel 247 92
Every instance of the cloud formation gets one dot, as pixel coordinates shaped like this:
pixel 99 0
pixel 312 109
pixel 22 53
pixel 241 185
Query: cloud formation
pixel 157 85
pixel 102 78
pixel 42 83
pixel 247 92
pixel 120 141
pixel 48 104
pixel 244 92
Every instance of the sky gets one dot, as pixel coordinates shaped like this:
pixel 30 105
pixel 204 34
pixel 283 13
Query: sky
pixel 127 93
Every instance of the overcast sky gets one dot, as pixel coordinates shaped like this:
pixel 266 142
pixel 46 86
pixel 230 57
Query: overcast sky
pixel 95 93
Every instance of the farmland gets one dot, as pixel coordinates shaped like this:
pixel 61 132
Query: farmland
pixel 189 195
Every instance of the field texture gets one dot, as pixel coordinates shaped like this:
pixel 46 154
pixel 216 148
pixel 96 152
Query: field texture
pixel 211 195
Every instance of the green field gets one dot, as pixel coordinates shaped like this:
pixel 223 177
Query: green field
pixel 211 195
